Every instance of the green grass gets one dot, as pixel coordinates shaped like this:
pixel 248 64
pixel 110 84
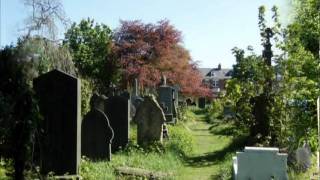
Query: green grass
pixel 196 150
pixel 215 146
pixel 167 162
pixel 165 158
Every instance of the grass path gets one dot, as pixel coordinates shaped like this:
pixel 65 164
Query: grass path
pixel 213 151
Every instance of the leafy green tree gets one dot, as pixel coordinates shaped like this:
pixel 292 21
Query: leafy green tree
pixel 300 72
pixel 91 47
pixel 20 116
pixel 248 82
pixel 19 111
pixel 286 91
pixel 41 55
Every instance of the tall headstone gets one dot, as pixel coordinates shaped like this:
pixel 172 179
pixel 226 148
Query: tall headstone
pixel 60 105
pixel 176 95
pixel 150 118
pixel 117 109
pixel 136 88
pixel 260 163
pixel 202 102
pixel 166 100
pixel 96 134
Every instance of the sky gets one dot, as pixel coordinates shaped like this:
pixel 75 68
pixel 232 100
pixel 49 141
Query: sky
pixel 210 28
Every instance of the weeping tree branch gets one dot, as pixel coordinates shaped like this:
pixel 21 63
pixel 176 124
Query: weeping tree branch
pixel 46 17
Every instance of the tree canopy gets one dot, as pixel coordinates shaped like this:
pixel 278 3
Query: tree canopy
pixel 149 51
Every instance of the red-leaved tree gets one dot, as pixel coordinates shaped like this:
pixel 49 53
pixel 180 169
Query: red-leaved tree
pixel 149 51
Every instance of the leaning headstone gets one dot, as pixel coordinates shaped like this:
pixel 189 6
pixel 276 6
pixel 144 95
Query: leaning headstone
pixel 202 102
pixel 150 118
pixel 60 105
pixel 260 163
pixel 117 109
pixel 96 135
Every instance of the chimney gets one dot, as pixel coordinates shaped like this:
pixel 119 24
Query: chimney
pixel 219 66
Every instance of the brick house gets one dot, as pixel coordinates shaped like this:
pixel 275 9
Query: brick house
pixel 215 79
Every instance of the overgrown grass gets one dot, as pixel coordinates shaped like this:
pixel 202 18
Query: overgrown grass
pixel 165 158
pixel 167 162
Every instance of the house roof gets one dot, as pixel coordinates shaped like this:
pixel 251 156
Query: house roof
pixel 204 71
pixel 218 73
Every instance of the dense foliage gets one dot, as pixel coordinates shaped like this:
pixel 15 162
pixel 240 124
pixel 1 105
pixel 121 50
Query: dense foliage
pixel 91 48
pixel 149 51
pixel 19 112
pixel 289 113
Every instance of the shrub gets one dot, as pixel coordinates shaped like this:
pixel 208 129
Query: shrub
pixel 181 141
pixel 215 111
pixel 86 94
pixel 186 115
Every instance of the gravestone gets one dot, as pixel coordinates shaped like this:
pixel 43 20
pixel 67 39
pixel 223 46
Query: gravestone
pixel 202 102
pixel 260 163
pixel 60 105
pixel 166 100
pixel 98 101
pixel 176 95
pixel 303 157
pixel 149 118
pixel 125 94
pixel 96 135
pixel 117 109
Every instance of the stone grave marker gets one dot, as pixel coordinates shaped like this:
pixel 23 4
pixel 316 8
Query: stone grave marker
pixel 117 109
pixel 98 101
pixel 202 102
pixel 176 95
pixel 166 100
pixel 96 134
pixel 60 105
pixel 260 163
pixel 303 157
pixel 150 118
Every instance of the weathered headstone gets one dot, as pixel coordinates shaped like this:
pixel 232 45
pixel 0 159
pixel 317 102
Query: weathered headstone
pixel 150 118
pixel 117 109
pixel 202 102
pixel 98 101
pixel 303 157
pixel 260 163
pixel 59 102
pixel 176 95
pixel 96 135
pixel 166 100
